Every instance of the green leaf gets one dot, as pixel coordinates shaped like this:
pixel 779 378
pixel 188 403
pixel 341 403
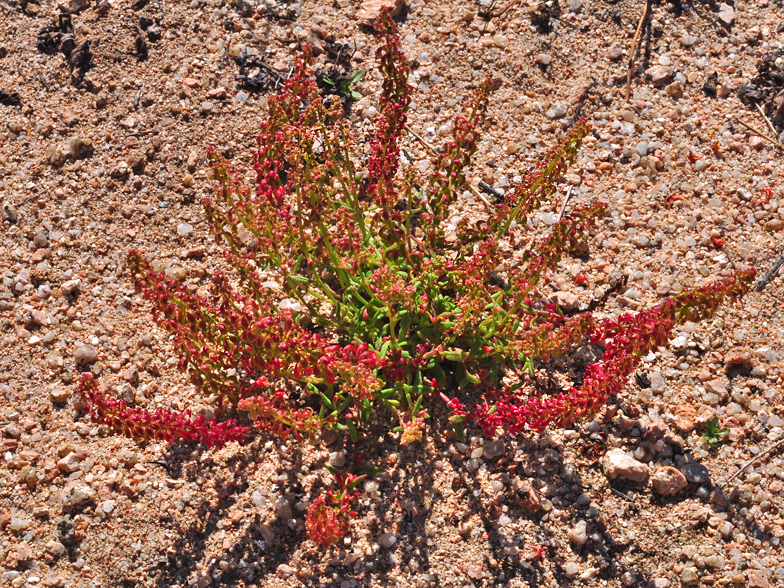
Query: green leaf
pixel 352 431
pixel 454 354
pixel 331 470
pixel 327 402
pixel 356 95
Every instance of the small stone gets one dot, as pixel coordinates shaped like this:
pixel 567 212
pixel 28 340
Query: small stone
pixel 618 464
pixel 696 473
pixel 578 534
pixel 69 287
pixel 660 75
pixel 284 571
pixel 528 497
pixel 674 90
pixel 370 10
pixel 184 229
pixel 689 576
pixel 475 572
pixel 566 301
pixel 614 52
pixel 544 59
pixel 80 147
pixel 756 143
pixel 337 459
pixel 190 82
pixel 9 212
pixel 40 239
pixel 758 579
pixel 752 36
pixel 218 93
pixel 283 509
pixel 23 552
pixel 726 14
pixel 688 40
pixel 79 495
pixel 642 148
pixel 258 498
pixel 387 540
pixel 206 106
pixel 659 583
pixel 69 464
pixel 571 569
pixel 718 388
pixel 55 548
pixel 494 449
pixel 85 354
pixel 59 395
pixel 18 524
pixel 56 155
pixel 69 118
pixel 668 481
pixel 187 180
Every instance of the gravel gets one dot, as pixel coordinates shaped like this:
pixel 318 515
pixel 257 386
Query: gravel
pixel 88 172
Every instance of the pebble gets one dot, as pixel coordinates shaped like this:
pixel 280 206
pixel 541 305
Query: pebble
pixel 258 498
pixel 614 52
pixel 494 449
pixel 668 481
pixel 660 75
pixel 9 212
pixel 758 579
pixel 78 495
pixel 689 575
pixel 696 473
pixel 70 463
pixel 544 59
pixel 184 229
pixel 726 14
pixel 618 464
pixel 387 540
pixel 578 533
pixel 85 354
pixel 18 524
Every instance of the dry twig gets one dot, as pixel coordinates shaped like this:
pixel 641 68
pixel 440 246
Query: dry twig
pixel 757 458
pixel 770 275
pixel 634 48
pixel 565 202
pixel 767 120
pixel 756 132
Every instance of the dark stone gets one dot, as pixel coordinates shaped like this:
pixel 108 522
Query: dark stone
pixel 154 34
pixel 696 473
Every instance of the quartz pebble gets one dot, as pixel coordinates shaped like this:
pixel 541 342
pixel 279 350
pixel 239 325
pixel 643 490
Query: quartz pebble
pixel 577 534
pixel 387 540
pixel 618 464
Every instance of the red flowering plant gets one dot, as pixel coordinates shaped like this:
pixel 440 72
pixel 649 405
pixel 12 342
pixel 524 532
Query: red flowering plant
pixel 386 307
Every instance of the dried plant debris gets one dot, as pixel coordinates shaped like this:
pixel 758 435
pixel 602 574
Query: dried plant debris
pixel 288 10
pixel 256 75
pixel 767 87
pixel 10 98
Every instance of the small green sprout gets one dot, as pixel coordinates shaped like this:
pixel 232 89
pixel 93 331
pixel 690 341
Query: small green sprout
pixel 346 88
pixel 712 432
